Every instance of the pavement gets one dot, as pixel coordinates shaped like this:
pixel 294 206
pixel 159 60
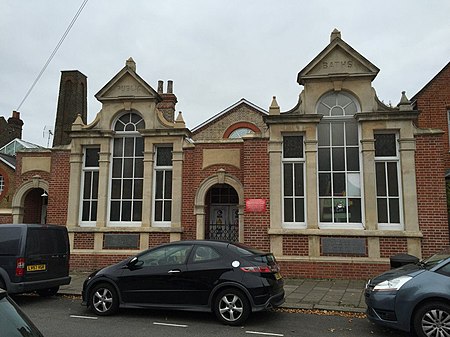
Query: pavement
pixel 310 294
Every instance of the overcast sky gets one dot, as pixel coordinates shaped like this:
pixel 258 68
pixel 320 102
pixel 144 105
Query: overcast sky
pixel 216 52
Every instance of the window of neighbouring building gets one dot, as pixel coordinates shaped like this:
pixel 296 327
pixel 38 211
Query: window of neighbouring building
pixel 2 184
pixel 387 180
pixel 162 207
pixel 89 183
pixel 448 125
pixel 293 181
pixel 339 162
pixel 127 174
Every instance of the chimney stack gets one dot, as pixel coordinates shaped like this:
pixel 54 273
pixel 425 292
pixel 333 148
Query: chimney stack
pixel 169 100
pixel 72 101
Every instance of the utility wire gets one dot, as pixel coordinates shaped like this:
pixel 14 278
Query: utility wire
pixel 54 52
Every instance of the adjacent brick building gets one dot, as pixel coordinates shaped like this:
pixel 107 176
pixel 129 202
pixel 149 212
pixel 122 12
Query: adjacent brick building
pixel 334 187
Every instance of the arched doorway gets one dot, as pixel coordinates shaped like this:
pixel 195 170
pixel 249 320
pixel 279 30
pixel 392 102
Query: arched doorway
pixel 203 203
pixel 30 202
pixel 222 213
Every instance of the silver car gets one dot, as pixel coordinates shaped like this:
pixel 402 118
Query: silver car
pixel 414 297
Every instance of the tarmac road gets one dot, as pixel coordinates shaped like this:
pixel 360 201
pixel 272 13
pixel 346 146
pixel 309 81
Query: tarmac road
pixel 64 316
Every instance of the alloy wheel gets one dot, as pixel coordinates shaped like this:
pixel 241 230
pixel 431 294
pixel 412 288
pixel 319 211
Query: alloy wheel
pixel 102 300
pixel 436 323
pixel 231 307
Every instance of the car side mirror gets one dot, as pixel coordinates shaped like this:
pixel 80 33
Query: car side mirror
pixel 134 263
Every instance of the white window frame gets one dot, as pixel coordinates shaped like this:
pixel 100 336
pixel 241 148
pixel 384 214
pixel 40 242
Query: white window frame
pixel 123 134
pixel 293 161
pixel 164 169
pixel 89 223
pixel 396 159
pixel 344 119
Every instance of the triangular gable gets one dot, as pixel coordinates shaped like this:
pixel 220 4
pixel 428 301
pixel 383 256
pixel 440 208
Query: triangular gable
pixel 127 84
pixel 242 101
pixel 337 59
pixel 442 71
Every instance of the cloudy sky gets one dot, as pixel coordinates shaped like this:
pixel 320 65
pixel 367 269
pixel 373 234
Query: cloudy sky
pixel 216 52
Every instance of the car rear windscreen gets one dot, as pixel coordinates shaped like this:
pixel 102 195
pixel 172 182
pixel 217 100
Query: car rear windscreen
pixel 46 241
pixel 9 241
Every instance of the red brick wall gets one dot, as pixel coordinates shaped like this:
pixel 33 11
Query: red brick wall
pixel 155 239
pixel 392 246
pixel 58 194
pixel 90 262
pixel 84 262
pixel 323 270
pixel 6 195
pixel 434 102
pixel 83 241
pixel 194 175
pixel 431 195
pixel 295 245
pixel 4 219
pixel 255 167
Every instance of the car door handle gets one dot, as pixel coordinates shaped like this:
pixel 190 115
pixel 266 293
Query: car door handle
pixel 174 271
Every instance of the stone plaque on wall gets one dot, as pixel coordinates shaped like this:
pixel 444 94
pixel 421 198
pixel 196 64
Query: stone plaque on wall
pixel 344 246
pixel 120 241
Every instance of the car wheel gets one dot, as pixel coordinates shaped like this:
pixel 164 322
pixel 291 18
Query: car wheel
pixel 48 292
pixel 104 300
pixel 432 320
pixel 232 307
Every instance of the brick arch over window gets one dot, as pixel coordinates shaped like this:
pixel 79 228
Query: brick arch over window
pixel 18 200
pixel 240 125
pixel 221 177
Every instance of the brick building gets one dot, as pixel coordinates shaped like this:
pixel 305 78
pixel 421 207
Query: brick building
pixel 334 186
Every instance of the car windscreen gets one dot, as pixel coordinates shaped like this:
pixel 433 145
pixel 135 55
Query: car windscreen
pixel 9 241
pixel 435 259
pixel 46 241
pixel 13 322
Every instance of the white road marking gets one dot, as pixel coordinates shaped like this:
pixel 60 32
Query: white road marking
pixel 169 324
pixel 85 317
pixel 264 333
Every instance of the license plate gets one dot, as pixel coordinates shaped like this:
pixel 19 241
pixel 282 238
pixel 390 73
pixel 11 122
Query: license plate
pixel 36 267
pixel 278 276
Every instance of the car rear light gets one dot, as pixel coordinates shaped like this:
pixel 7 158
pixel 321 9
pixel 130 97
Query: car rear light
pixel 20 266
pixel 258 269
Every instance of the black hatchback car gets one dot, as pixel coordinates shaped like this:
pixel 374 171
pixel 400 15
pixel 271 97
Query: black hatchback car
pixel 228 279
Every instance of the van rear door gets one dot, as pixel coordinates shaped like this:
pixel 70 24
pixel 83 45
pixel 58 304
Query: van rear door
pixel 10 244
pixel 46 253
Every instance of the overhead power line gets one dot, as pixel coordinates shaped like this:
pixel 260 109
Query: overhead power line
pixel 54 52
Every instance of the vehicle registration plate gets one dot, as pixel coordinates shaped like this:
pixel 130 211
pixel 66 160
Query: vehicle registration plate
pixel 278 276
pixel 36 267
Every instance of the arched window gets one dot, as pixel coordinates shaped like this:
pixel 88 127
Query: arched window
pixel 238 133
pixel 240 129
pixel 127 171
pixel 338 162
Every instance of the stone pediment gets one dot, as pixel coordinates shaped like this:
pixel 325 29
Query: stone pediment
pixel 338 59
pixel 127 85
